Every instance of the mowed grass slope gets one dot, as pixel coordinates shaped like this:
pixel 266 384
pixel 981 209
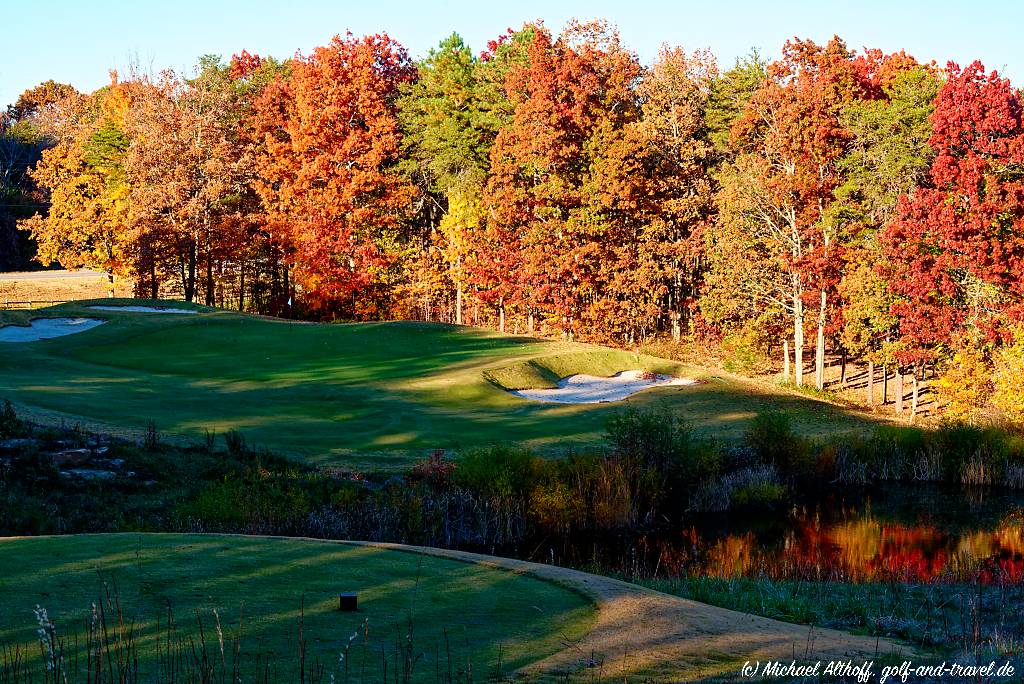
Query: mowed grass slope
pixel 269 582
pixel 359 395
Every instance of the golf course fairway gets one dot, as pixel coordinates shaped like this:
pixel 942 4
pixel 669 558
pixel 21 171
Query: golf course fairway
pixel 362 395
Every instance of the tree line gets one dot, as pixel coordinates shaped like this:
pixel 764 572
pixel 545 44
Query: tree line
pixel 556 185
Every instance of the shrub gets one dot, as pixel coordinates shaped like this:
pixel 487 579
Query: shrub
pixel 151 439
pixel 772 437
pixel 557 506
pixel 716 495
pixel 10 426
pixel 654 438
pixel 500 470
pixel 261 502
pixel 759 495
pixel 741 353
pixel 436 470
pixel 658 454
pixel 235 442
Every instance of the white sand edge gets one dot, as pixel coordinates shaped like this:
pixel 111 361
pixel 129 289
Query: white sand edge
pixel 47 328
pixel 593 389
pixel 142 309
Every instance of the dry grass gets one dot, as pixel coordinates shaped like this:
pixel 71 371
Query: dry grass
pixel 32 288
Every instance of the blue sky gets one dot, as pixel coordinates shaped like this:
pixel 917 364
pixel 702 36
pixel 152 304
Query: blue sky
pixel 79 41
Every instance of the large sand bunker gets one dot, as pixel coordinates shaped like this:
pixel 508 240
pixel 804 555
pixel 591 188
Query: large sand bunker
pixel 591 389
pixel 46 328
pixel 144 309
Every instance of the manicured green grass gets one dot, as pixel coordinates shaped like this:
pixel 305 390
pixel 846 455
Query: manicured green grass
pixel 269 581
pixel 372 395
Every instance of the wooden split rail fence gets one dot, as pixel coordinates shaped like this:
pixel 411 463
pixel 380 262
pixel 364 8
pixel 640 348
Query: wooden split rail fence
pixel 32 303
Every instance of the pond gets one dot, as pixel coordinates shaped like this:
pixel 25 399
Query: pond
pixel 920 533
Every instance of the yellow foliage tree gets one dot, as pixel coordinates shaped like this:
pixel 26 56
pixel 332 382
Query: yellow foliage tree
pixel 83 174
pixel 965 389
pixel 1008 380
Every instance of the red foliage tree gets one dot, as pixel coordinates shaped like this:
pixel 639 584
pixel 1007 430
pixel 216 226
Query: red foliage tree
pixel 955 253
pixel 333 197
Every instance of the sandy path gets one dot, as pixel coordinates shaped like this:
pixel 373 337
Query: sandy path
pixel 639 631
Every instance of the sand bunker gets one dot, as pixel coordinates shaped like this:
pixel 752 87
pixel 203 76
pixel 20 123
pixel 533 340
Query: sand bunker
pixel 591 389
pixel 145 309
pixel 45 328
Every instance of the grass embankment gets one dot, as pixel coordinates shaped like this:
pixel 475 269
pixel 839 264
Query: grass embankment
pixel 954 618
pixel 361 395
pixel 490 615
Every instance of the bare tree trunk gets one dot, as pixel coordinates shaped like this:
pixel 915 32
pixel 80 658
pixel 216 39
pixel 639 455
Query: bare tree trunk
pixel 899 390
pixel 913 400
pixel 842 369
pixel 190 284
pixel 458 304
pixel 241 286
pixel 885 384
pixel 871 384
pixel 819 355
pixel 529 322
pixel 798 340
pixel 501 315
pixel 286 282
pixel 209 280
pixel 785 360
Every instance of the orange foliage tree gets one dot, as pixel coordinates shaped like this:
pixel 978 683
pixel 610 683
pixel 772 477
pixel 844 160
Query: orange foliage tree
pixel 330 140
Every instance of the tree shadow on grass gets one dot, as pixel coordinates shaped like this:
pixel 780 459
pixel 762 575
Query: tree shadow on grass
pixel 279 582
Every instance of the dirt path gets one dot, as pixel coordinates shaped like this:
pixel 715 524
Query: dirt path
pixel 646 633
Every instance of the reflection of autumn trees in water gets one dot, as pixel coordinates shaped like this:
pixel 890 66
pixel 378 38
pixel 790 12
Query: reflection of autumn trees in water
pixel 861 550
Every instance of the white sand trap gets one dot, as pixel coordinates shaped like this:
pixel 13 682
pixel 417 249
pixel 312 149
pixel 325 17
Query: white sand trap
pixel 144 309
pixel 591 389
pixel 46 328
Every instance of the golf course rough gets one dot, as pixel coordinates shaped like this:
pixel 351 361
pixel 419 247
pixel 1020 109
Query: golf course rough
pixel 360 395
pixel 272 581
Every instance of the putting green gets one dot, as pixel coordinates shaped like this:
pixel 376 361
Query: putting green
pixel 488 614
pixel 372 395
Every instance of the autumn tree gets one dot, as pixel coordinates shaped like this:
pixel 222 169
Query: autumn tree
pixel 780 186
pixel 48 109
pixel 83 177
pixel 450 118
pixel 888 158
pixel 185 173
pixel 954 255
pixel 965 388
pixel 728 97
pixel 1008 379
pixel 330 142
pixel 653 189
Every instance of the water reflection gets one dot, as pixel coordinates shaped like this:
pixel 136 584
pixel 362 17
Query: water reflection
pixel 895 534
